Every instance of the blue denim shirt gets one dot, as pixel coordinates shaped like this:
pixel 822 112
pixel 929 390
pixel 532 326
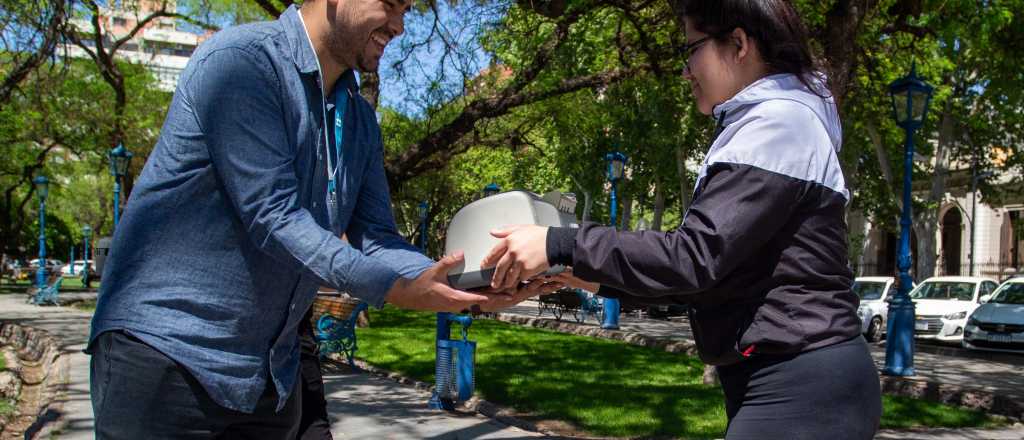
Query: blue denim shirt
pixel 226 236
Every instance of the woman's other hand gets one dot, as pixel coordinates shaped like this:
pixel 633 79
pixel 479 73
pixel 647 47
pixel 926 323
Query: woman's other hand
pixel 566 277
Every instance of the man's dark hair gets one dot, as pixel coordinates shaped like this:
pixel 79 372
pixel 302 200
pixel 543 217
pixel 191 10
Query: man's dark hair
pixel 774 25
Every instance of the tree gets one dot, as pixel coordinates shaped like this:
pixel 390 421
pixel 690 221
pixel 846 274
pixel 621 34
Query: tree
pixel 58 126
pixel 31 33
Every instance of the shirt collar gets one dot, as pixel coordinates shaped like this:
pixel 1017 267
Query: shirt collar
pixel 302 51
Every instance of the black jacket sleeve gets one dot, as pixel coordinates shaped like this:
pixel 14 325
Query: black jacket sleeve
pixel 739 209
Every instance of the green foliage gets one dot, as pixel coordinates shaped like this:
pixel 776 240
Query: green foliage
pixel 59 127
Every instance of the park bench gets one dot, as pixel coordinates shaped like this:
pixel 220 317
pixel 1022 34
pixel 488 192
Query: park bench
pixel 334 324
pixel 579 303
pixel 48 294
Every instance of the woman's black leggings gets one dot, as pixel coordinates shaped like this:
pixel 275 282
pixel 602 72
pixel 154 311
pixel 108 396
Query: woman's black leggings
pixel 830 393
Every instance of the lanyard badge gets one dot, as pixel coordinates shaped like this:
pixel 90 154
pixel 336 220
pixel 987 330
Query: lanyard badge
pixel 340 103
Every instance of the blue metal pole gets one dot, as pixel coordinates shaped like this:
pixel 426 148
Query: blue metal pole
pixel 611 305
pixel 72 260
pixel 85 267
pixel 117 198
pixel 442 362
pixel 41 273
pixel 899 343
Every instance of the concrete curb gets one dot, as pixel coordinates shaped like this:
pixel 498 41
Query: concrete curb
pixel 981 400
pixel 977 399
pixel 44 373
pixel 640 339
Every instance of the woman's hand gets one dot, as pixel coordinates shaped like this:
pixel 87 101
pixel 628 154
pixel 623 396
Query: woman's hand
pixel 567 278
pixel 520 255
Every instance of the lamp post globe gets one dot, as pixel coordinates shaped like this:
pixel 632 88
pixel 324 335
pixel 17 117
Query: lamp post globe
pixel 42 185
pixel 491 189
pixel 120 158
pixel 616 166
pixel 910 99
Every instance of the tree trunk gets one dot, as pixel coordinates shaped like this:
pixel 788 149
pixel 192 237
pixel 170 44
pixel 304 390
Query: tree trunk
pixel 627 212
pixel 370 87
pixel 685 186
pixel 659 207
pixel 928 222
pixel 883 161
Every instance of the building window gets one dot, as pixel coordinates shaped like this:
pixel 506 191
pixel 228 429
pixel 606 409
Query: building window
pixel 118 21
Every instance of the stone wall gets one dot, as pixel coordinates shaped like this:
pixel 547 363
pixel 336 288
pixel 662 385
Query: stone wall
pixel 37 369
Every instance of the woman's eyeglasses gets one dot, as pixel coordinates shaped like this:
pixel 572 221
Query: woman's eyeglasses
pixel 692 48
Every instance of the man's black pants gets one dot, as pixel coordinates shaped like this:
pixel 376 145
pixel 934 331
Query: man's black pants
pixel 138 393
pixel 315 424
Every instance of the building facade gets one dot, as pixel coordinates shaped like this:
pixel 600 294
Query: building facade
pixel 159 44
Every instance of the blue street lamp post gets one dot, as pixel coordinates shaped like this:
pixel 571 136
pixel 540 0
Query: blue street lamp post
pixel 491 189
pixel 86 235
pixel 616 164
pixel 120 157
pixel 424 209
pixel 42 188
pixel 910 99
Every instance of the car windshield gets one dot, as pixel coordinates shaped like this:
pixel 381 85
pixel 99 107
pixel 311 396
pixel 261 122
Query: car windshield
pixel 944 290
pixel 1011 293
pixel 868 290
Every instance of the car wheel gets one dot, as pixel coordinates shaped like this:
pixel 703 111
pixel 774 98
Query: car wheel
pixel 874 333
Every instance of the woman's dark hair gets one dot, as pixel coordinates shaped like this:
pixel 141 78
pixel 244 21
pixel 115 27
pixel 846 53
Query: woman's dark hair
pixel 774 25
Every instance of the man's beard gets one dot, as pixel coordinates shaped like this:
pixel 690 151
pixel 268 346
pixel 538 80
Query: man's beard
pixel 336 47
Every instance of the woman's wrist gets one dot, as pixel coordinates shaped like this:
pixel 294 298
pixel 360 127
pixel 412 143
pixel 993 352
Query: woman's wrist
pixel 560 244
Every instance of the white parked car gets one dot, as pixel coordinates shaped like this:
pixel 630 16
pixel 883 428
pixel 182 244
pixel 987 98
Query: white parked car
pixel 79 265
pixel 874 307
pixel 998 324
pixel 943 304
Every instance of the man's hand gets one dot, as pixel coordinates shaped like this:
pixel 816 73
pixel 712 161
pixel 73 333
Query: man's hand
pixel 431 292
pixel 520 255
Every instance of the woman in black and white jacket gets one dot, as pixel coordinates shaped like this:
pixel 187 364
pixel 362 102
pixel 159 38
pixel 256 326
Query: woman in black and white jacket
pixel 761 255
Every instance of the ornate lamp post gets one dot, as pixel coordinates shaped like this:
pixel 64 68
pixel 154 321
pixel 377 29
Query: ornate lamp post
pixel 86 235
pixel 491 189
pixel 910 99
pixel 616 164
pixel 42 189
pixel 120 157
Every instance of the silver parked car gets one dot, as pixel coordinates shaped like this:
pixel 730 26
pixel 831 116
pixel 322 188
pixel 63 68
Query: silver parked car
pixel 998 324
pixel 874 294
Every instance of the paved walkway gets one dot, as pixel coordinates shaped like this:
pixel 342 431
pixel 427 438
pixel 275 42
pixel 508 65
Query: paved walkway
pixel 365 406
pixel 362 406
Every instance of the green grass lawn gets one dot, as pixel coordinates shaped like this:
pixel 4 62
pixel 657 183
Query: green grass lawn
pixel 6 406
pixel 70 284
pixel 604 387
pixel 8 287
pixel 86 306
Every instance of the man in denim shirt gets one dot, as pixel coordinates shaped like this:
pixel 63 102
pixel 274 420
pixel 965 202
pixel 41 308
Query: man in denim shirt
pixel 235 222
